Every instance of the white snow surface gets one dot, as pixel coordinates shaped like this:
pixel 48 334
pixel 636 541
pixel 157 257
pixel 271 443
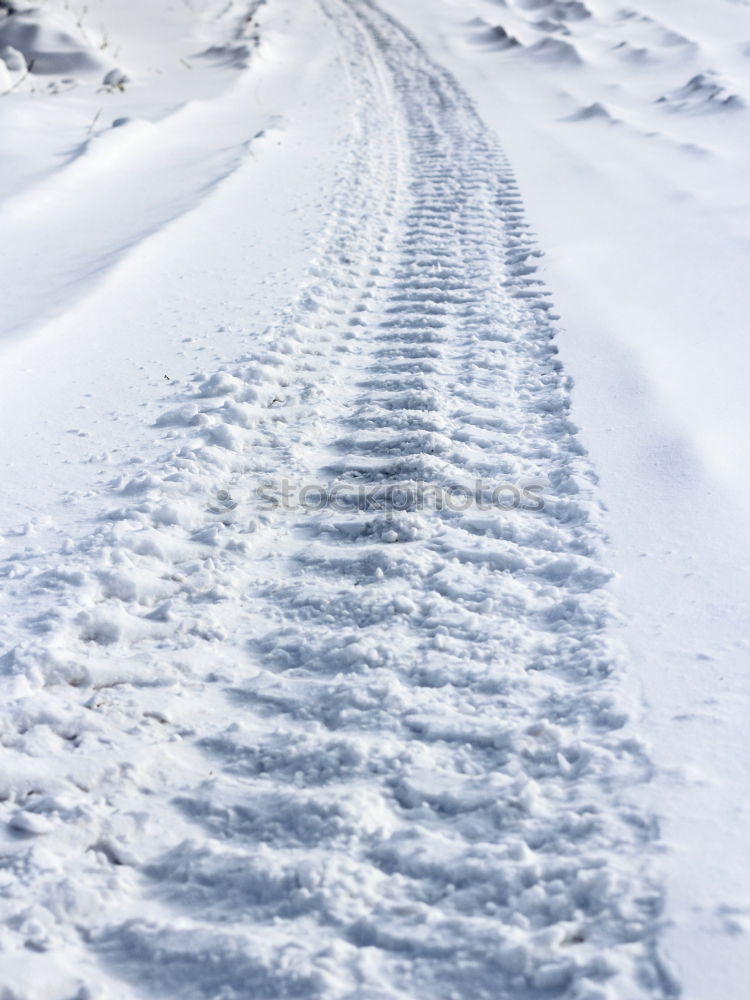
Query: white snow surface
pixel 436 752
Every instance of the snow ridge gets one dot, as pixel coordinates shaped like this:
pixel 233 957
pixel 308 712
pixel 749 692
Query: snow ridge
pixel 348 752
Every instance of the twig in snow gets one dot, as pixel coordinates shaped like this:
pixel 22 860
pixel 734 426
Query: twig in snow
pixel 94 121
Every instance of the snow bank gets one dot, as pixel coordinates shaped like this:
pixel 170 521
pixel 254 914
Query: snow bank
pixel 50 41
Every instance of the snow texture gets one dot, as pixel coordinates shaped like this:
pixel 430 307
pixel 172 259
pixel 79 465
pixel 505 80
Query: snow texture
pixel 327 750
pixel 386 750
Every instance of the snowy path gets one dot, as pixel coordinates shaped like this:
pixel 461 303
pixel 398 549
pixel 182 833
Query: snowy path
pixel 348 752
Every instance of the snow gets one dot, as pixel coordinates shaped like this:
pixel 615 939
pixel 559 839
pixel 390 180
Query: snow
pixel 641 207
pixel 295 702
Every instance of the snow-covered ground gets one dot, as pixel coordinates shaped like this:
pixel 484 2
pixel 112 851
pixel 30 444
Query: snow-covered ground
pixel 631 150
pixel 398 744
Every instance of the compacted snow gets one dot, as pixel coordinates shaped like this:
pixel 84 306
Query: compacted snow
pixel 314 680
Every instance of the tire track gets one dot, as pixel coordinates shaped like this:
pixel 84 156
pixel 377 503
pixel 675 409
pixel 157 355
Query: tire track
pixel 442 753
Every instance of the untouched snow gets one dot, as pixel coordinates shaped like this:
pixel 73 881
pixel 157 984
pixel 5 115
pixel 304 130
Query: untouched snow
pixel 156 140
pixel 399 744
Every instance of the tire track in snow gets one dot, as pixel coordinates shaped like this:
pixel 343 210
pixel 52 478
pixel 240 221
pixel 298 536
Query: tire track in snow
pixel 407 775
